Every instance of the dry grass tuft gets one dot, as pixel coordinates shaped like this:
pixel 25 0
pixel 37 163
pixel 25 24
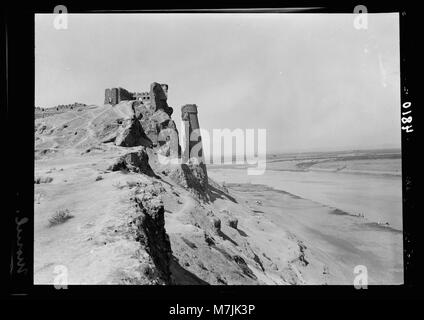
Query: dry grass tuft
pixel 61 216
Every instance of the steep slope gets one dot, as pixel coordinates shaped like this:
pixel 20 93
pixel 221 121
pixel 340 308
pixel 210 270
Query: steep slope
pixel 137 221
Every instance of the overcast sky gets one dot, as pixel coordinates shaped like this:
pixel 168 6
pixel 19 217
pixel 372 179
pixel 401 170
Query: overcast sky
pixel 312 80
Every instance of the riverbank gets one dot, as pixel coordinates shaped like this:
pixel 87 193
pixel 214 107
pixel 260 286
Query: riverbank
pixel 334 238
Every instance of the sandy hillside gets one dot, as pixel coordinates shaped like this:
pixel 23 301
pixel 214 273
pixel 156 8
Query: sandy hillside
pixel 127 219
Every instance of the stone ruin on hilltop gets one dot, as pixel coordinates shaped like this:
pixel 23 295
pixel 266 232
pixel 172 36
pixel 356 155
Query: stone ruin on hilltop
pixel 158 130
pixel 114 96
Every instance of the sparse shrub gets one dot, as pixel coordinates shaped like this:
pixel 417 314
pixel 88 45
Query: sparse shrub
pixel 39 180
pixel 61 216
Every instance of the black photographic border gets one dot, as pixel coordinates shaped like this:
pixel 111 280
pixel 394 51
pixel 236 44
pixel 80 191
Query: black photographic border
pixel 18 99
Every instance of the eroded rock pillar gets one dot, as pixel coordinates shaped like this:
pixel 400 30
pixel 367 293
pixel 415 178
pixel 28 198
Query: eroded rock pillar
pixel 192 140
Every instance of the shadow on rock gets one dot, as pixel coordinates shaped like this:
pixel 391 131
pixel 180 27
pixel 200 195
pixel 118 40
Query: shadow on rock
pixel 181 276
pixel 242 233
pixel 215 193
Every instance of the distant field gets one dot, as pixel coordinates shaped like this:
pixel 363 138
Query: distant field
pixel 387 166
pixel 366 182
pixel 366 162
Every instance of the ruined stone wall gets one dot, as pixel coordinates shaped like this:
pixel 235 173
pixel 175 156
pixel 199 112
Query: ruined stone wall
pixel 193 167
pixel 113 96
pixel 124 95
pixel 191 123
pixel 116 95
pixel 46 112
pixel 157 96
pixel 142 96
pixel 107 96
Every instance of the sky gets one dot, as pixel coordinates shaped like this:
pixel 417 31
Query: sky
pixel 313 81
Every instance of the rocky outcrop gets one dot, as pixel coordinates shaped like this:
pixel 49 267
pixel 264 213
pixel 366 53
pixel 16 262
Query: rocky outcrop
pixel 232 222
pixel 154 115
pixel 192 177
pixel 159 128
pixel 158 98
pixel 131 134
pixel 216 224
pixel 192 152
pixel 168 141
pixel 134 161
pixel 148 228
pixel 161 118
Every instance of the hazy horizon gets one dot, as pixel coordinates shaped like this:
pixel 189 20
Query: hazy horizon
pixel 312 80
